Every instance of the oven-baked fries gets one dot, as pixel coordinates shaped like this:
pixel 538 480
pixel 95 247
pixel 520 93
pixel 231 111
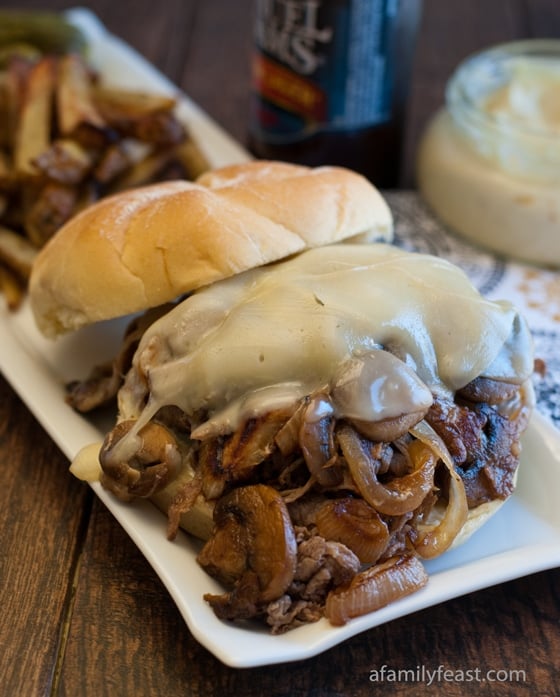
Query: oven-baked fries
pixel 67 140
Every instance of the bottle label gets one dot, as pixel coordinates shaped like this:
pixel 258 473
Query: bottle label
pixel 322 65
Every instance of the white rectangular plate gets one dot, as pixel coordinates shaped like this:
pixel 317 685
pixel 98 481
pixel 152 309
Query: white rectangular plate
pixel 524 537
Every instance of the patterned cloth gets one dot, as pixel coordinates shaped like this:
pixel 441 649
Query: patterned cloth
pixel 535 291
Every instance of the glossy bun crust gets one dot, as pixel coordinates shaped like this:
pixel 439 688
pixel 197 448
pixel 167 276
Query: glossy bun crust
pixel 148 246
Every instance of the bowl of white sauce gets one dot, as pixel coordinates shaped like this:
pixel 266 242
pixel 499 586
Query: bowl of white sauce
pixel 489 161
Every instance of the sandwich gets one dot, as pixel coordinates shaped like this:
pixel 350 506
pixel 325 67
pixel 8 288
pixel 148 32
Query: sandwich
pixel 324 410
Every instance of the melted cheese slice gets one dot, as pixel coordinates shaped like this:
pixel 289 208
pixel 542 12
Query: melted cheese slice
pixel 259 340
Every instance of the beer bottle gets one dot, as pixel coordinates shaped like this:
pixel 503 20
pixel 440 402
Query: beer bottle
pixel 329 83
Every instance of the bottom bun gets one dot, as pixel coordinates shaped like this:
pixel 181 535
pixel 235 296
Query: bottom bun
pixel 479 516
pixel 198 520
pixel 476 518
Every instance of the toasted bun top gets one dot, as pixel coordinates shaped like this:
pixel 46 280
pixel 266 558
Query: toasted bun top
pixel 148 246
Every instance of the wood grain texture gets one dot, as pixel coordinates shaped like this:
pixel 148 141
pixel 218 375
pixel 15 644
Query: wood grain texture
pixel 42 514
pixel 217 72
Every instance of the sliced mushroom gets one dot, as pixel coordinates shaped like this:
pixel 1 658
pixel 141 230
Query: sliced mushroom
pixel 487 390
pixel 148 463
pixel 253 535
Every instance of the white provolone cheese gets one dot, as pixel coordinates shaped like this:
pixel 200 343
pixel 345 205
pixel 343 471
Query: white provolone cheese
pixel 271 335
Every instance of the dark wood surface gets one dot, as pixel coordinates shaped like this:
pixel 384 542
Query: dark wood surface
pixel 82 613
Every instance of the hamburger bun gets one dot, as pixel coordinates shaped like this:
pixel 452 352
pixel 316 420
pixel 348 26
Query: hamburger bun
pixel 148 246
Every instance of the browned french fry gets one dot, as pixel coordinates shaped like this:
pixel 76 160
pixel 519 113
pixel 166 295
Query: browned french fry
pixel 89 193
pixel 144 171
pixel 15 80
pixel 193 160
pixel 12 288
pixel 16 252
pixel 114 162
pixel 4 203
pixel 77 115
pixel 147 117
pixel 122 105
pixel 8 178
pixel 53 206
pixel 34 128
pixel 66 141
pixel 65 161
pixel 4 165
pixel 161 129
pixel 5 113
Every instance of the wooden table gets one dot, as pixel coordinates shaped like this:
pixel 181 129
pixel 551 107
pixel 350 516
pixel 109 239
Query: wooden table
pixel 82 611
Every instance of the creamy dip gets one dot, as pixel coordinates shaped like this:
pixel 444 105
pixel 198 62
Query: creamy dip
pixel 269 336
pixel 530 99
pixel 489 163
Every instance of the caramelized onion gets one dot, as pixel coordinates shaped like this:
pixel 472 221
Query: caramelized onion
pixel 181 503
pixel 436 538
pixel 287 438
pixel 356 524
pixel 401 494
pixel 375 588
pixel 252 443
pixel 232 458
pixel 209 462
pixel 317 442
pixel 291 495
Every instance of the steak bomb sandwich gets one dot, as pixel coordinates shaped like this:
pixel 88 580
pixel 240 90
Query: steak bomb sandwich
pixel 323 423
